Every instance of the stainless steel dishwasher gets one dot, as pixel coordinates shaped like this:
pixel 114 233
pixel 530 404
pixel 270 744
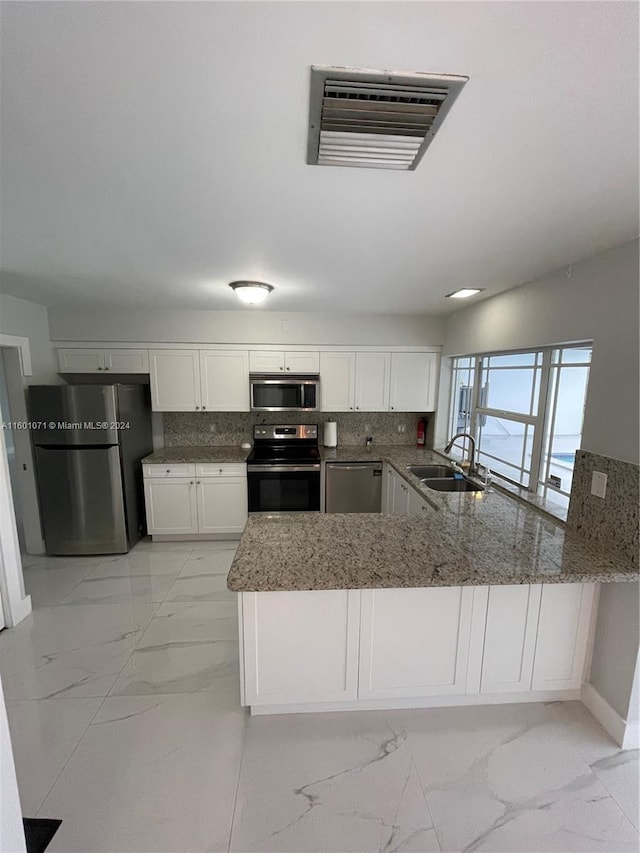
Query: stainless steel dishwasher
pixel 354 487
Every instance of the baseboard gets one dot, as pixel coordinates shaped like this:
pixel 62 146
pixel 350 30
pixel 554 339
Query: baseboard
pixel 625 733
pixel 196 537
pixel 419 702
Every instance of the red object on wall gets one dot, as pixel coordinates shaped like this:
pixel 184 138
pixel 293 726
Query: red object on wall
pixel 422 429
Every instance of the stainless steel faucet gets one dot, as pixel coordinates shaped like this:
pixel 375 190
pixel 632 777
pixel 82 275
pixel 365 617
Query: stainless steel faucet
pixel 472 448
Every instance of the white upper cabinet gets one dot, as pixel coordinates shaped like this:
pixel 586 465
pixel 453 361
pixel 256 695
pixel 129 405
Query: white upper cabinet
pixel 372 381
pixel 337 381
pixel 93 360
pixel 413 381
pixel 265 361
pixel 199 380
pixel 224 378
pixel 302 362
pixel 175 380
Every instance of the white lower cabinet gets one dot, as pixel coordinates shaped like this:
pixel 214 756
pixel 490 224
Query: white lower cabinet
pixel 510 638
pixel 395 498
pixel 414 642
pixel 222 504
pixel 171 505
pixel 300 647
pixel 206 501
pixel 563 636
pixel 505 643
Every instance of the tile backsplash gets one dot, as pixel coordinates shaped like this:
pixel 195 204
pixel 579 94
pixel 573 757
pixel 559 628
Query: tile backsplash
pixel 232 428
pixel 613 520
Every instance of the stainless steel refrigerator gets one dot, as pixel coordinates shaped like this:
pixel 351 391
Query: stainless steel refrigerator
pixel 89 441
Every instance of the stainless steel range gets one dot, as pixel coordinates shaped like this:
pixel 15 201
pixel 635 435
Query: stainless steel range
pixel 283 469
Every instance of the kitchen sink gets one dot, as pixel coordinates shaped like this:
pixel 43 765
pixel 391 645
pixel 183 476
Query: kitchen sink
pixel 438 471
pixel 448 484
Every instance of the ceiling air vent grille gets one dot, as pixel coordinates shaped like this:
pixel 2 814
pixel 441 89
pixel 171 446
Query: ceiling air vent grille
pixel 375 120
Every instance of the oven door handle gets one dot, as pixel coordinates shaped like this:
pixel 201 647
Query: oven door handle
pixel 280 469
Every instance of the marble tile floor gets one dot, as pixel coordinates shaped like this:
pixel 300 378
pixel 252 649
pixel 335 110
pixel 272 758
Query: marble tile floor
pixel 123 703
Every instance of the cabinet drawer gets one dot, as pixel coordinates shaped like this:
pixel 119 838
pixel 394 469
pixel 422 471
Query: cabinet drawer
pixel 182 469
pixel 221 469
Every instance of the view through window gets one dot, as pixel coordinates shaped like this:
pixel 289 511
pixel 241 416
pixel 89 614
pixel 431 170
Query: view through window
pixel 525 410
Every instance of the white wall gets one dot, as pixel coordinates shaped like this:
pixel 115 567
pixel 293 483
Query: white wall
pixel 251 326
pixel 28 320
pixel 599 302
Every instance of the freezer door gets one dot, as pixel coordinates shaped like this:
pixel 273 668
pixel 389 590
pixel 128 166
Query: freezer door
pixel 81 500
pixel 73 414
pixel 354 487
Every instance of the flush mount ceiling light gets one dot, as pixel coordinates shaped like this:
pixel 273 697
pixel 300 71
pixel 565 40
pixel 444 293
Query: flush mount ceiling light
pixel 376 119
pixel 251 292
pixel 464 292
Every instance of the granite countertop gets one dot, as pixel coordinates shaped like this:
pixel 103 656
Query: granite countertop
pixel 208 453
pixel 467 539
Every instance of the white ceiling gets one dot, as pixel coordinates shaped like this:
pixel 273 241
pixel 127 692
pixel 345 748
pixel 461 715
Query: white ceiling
pixel 153 152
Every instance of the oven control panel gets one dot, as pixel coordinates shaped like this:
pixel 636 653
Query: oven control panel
pixel 269 432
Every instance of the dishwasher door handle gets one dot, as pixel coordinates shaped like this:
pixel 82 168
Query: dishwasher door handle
pixel 364 467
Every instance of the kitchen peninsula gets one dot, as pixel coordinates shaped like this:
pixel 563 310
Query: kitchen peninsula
pixel 475 599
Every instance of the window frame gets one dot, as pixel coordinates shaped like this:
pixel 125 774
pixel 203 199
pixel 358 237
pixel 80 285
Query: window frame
pixel 541 421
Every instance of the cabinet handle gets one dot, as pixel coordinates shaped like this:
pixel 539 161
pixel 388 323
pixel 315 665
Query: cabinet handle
pixel 288 368
pixel 106 368
pixel 350 408
pixel 191 482
pixel 220 470
pixel 392 408
pixel 168 470
pixel 99 368
pixel 197 407
pixel 198 482
pixel 203 408
pixel 282 368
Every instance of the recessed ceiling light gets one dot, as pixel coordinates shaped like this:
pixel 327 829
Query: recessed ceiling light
pixel 251 292
pixel 464 293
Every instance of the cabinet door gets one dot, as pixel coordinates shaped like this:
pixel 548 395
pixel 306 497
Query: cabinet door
pixel 302 362
pixel 266 362
pixel 80 360
pixel 175 380
pixel 372 381
pixel 414 642
pixel 413 381
pixel 300 646
pixel 222 504
pixel 510 638
pixel 563 636
pixel 337 381
pixel 417 505
pixel 126 360
pixel 224 376
pixel 400 496
pixel 171 506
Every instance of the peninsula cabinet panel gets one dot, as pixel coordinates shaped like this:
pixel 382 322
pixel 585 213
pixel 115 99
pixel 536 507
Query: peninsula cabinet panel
pixel 337 381
pixel 413 381
pixel 175 380
pixel 372 381
pixel 414 642
pixel 510 638
pixel 171 506
pixel 300 647
pixel 563 636
pixel 224 376
pixel 222 504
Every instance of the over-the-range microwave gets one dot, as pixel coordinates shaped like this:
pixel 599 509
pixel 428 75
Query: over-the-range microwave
pixel 284 394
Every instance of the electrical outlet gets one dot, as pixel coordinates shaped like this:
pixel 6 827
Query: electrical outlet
pixel 599 484
pixel 212 426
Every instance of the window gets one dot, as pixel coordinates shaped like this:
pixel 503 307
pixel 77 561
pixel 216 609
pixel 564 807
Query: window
pixel 525 410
